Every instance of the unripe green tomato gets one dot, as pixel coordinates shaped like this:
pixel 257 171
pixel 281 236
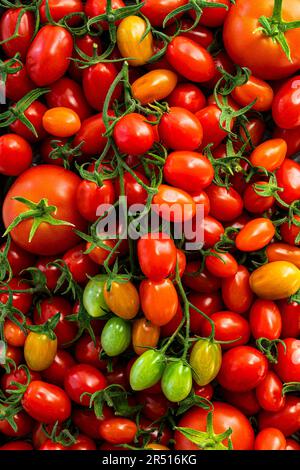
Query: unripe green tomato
pixel 205 361
pixel 147 370
pixel 116 336
pixel 177 381
pixel 93 297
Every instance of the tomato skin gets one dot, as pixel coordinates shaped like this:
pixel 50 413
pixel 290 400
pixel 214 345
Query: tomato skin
pixel 52 273
pixel 226 204
pixel 246 402
pixel 55 374
pixel 291 444
pixel 269 393
pixel 190 59
pixel 35 184
pixel 98 7
pixel 48 57
pixel 15 155
pixel 253 89
pixel 19 377
pixel 270 154
pixel 209 118
pixel 159 301
pixel 275 281
pixel 255 203
pixel 61 122
pixel 287 99
pixel 213 17
pixel 251 48
pixel 265 320
pixel 205 361
pixel 290 317
pixel 39 351
pixel 129 34
pixel 96 82
pixel 13 334
pixel 16 445
pixel 255 235
pixel 18 84
pixel 90 196
pixel 229 326
pixel 208 304
pixel 187 170
pixel 187 96
pixel 168 197
pixel 205 392
pixel 147 370
pixel 200 197
pixel 144 335
pixel 83 378
pixel 236 292
pixel 243 368
pixel 224 416
pixel 8 23
pixel 91 135
pixel 288 178
pixel 156 11
pixel 289 232
pixel 283 252
pixel 24 425
pixel 223 265
pixel 134 192
pixel 291 137
pixel 154 86
pixel 93 297
pixel 157 255
pixel 87 422
pixel 83 443
pixel 34 113
pixel 59 9
pixel 179 129
pixel 118 430
pixel 80 264
pixel 116 336
pixel 288 362
pixel 21 301
pixel 287 419
pixel 122 299
pixel 67 93
pixel 46 402
pixel 204 282
pixel 133 135
pixel 270 439
pixel 177 381
pixel 212 230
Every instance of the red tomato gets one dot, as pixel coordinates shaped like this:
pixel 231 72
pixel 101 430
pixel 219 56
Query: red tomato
pixel 269 154
pixel 201 281
pixel 236 292
pixel 206 391
pixel 229 326
pixel 18 258
pixel 290 232
pixel 83 443
pixel 265 320
pixel 290 317
pixel 255 235
pixel 187 96
pixel 290 136
pixel 17 445
pixel 18 84
pixel 188 170
pixel 212 231
pixel 13 334
pixel 56 373
pixel 22 300
pixel 226 204
pixel 224 417
pixel 60 8
pixel 90 197
pixel 255 203
pixel 52 273
pixel 157 10
pixel 209 118
pixel 288 361
pixel 199 34
pixel 133 190
pixel 179 129
pixel 208 304
pixel 23 422
pixel 169 328
pixel 269 393
pixel 288 178
pixel 270 439
pixel 68 94
pixel 89 45
pixel 133 134
pixel 155 405
pixel 291 444
pixel 34 113
pixel 242 369
pixel 87 422
pixel 8 23
pixel 83 378
pixel 48 57
pixel 118 430
pixel 80 265
pixel 91 135
pixel 96 82
pixel 87 352
pixel 213 17
pixel 19 377
pixel 200 197
pixel 286 109
pixel 98 7
pixel 287 419
pixel 173 204
pixel 159 301
pixel 254 89
pixel 157 255
pixel 246 402
pixel 221 264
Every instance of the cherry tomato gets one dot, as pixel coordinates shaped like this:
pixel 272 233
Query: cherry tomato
pixel 269 393
pixel 274 281
pixel 205 361
pixel 21 301
pixel 286 110
pixel 80 264
pixel 265 320
pixel 209 118
pixel 83 378
pixel 133 134
pixel 187 170
pixel 16 445
pixel 226 204
pixel 96 82
pixel 290 317
pixel 221 264
pixel 144 335
pixel 56 372
pixel 206 303
pixel 93 297
pixel 291 444
pixel 18 258
pixel 159 301
pixel 90 135
pixel 288 178
pixel 50 271
pixel 187 96
pixel 200 281
pixel 116 336
pixel 229 326
pixel 157 255
pixel 179 129
pixel 23 422
pixel 58 9
pixel 118 430
pixel 39 351
pixel 290 232
pixel 34 113
pixel 270 439
pixel 236 292
pixel 154 86
pixel 61 122
pixel 246 402
pixel 176 382
pixel 157 10
pixel 254 89
pixel 288 361
pixel 98 7
pixel 290 136
pixel 287 419
pixel 215 16
pixel 147 370
pixel 270 154
pixel 15 155
pixel 255 203
pixel 8 24
pixel 68 94
pixel 173 204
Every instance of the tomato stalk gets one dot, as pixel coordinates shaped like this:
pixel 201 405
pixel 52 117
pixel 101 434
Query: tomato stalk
pixel 47 327
pixel 75 31
pixel 7 413
pixel 65 152
pixel 290 387
pixel 232 81
pixel 34 7
pixel 8 67
pixel 270 348
pixel 8 311
pixel 5 268
pixel 197 6
pixel 271 189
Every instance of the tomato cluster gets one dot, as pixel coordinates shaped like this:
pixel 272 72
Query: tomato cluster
pixel 142 337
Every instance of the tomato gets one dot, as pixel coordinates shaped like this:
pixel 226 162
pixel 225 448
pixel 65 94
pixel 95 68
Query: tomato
pixel 13 334
pixel 133 190
pixel 274 281
pixel 187 96
pixel 93 297
pixel 199 34
pixel 173 204
pixel 215 16
pixel 131 42
pixel 212 231
pixel 236 292
pixel 118 430
pixel 65 330
pixel 265 320
pixel 207 303
pixel 204 392
pixel 90 197
pixel 18 376
pixel 159 301
pixel 190 59
pixel 67 93
pixel 254 89
pixel 46 402
pixel 287 419
pixel 36 184
pixel 83 443
pixel 56 372
pixel 200 197
pixel 61 122
pixel 15 155
pixel 246 402
pixel 202 282
pixel 224 417
pixel 23 422
pixel 154 86
pixel 157 10
pixel 226 204
pixel 255 203
pixel 288 178
pixel 133 134
pixel 256 129
pixel 60 8
pixel 177 381
pixel 96 82
pixel 188 170
pixel 13 354
pixel 18 84
pixel 16 445
pixel 99 254
pixel 205 361
pixel 243 368
pixel 8 23
pixel 157 255
pixel 269 393
pixel 83 378
pixel 144 335
pixel 291 444
pixel 290 317
pixel 39 351
pixel 147 370
pixel 270 154
pixel 286 110
pixel 21 301
pixel 34 113
pixel 255 235
pixel 288 362
pixel 248 46
pixel 221 264
pixel 90 135
pixel 270 439
pixel 290 136
pixel 51 445
pixel 179 129
pixel 122 299
pixel 156 447
pixel 229 326
pixel 48 57
pixel 87 352
pixel 51 272
pixel 283 252
pixel 87 422
pixel 290 231
pixel 116 336
pixel 80 264
pixel 98 7
pixel 209 118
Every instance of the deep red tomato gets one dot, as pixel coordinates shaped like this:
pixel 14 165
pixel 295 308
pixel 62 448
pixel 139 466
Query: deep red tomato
pixel 246 402
pixel 236 291
pixel 96 82
pixel 200 197
pixel 208 304
pixel 221 264
pixel 23 422
pixel 91 135
pixel 80 265
pixel 18 258
pixel 90 197
pixel 19 377
pixel 199 34
pixel 88 44
pixel 226 204
pixel 17 445
pixel 229 326
pixel 133 135
pixel 56 372
pixel 157 255
pixel 18 84
pixel 255 203
pixel 15 155
pixel 159 301
pixel 288 178
pixel 60 8
pixel 174 204
pixel 34 113
pixel 209 118
pixel 14 355
pixel 155 405
pixel 287 419
pixel 46 402
pixel 48 57
pixel 133 190
pixel 286 108
pixel 290 317
pixel 255 131
pixel 51 445
pixel 157 10
pixel 242 369
pixel 269 393
pixel 83 443
pixel 87 422
pixel 201 281
pixel 22 300
pixel 212 231
pixel 270 439
pixel 206 391
pixel 224 417
pixel 179 129
pixel 265 320
pixel 190 59
pixel 213 17
pixel 291 137
pixel 98 7
pixel 187 96
pixel 86 352
pixel 290 232
pixel 288 362
pixel 51 149
pixel 8 24
pixel 255 235
pixel 51 272
pixel 118 430
pixel 83 378
pixel 67 93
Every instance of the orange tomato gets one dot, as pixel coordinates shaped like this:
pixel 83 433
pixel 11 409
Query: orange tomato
pixel 254 89
pixel 276 280
pixel 154 86
pixel 122 299
pixel 144 335
pixel 39 351
pixel 269 154
pixel 284 252
pixel 61 122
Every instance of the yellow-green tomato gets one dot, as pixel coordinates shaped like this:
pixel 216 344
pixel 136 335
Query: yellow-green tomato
pixel 116 336
pixel 276 280
pixel 129 34
pixel 177 381
pixel 39 351
pixel 205 361
pixel 147 370
pixel 93 297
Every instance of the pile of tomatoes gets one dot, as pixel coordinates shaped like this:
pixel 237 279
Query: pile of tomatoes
pixel 113 342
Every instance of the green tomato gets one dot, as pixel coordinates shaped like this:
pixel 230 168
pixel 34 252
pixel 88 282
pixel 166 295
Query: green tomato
pixel 147 370
pixel 177 381
pixel 116 336
pixel 93 298
pixel 205 361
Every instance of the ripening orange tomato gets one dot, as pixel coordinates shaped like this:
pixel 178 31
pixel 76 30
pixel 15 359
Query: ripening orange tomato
pixel 61 122
pixel 283 252
pixel 154 86
pixel 129 34
pixel 276 280
pixel 122 299
pixel 145 335
pixel 269 154
pixel 39 351
pixel 255 235
pixel 254 88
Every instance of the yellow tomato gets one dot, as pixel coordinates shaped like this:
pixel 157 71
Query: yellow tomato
pixel 276 280
pixel 129 34
pixel 154 86
pixel 205 361
pixel 39 351
pixel 122 299
pixel 61 122
pixel 144 335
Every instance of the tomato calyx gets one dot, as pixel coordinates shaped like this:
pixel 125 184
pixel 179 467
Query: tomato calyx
pixel 290 387
pixel 98 175
pixel 47 327
pixel 60 435
pixel 229 81
pixel 11 66
pixel 193 400
pixel 8 412
pixel 275 27
pixel 5 268
pixel 16 393
pixel 8 311
pixel 64 152
pixel 207 440
pixel 17 111
pixel 270 348
pixel 197 6
pixel 270 189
